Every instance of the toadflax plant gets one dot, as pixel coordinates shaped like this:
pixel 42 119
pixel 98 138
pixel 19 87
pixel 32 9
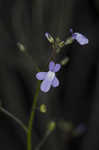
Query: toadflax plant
pixel 46 80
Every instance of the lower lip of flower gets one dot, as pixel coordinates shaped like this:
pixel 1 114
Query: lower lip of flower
pixel 50 75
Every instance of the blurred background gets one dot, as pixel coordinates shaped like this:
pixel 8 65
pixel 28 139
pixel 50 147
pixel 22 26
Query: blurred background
pixel 76 100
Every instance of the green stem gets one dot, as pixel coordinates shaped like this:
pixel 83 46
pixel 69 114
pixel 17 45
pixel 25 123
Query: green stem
pixel 14 118
pixel 32 116
pixel 43 141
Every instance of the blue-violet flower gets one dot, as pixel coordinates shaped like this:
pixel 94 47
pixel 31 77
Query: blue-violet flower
pixel 81 39
pixel 49 78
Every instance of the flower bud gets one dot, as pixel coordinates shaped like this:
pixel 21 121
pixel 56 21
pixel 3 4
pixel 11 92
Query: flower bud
pixel 61 44
pixel 49 37
pixel 21 47
pixel 65 61
pixel 69 41
pixel 43 108
pixel 51 126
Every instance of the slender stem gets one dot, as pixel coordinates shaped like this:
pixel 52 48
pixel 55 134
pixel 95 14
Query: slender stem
pixel 53 54
pixel 32 116
pixel 43 141
pixel 14 118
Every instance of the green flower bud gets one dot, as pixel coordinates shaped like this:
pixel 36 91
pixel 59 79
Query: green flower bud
pixel 51 126
pixel 43 108
pixel 61 44
pixel 21 47
pixel 69 41
pixel 65 61
pixel 49 38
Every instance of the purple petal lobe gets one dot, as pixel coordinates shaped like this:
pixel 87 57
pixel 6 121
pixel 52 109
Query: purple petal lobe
pixel 47 35
pixel 41 75
pixel 57 67
pixel 45 85
pixel 81 39
pixel 51 66
pixel 55 82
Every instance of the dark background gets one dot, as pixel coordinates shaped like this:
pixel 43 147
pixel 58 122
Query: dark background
pixel 77 98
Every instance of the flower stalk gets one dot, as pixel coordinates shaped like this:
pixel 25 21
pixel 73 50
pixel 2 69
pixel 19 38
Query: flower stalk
pixel 32 116
pixel 14 118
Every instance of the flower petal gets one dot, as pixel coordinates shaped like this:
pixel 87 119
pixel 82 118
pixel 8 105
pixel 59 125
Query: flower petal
pixel 45 85
pixel 57 67
pixel 81 39
pixel 41 75
pixel 55 82
pixel 51 65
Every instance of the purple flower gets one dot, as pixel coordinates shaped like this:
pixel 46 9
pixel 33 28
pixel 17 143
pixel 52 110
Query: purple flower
pixel 49 78
pixel 81 39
